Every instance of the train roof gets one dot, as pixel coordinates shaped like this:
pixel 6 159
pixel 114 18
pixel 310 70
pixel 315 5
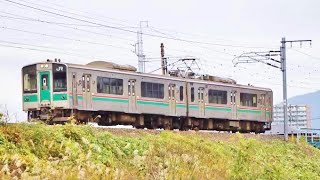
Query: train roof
pixel 166 77
pixel 80 66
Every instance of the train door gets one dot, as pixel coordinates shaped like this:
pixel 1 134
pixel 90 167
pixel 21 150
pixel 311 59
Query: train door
pixel 172 99
pixel 86 91
pixel 263 106
pixel 202 106
pixel 132 95
pixel 45 92
pixel 233 102
pixel 74 90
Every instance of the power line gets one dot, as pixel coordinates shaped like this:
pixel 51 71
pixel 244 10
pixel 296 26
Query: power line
pixel 80 15
pixel 64 25
pixel 126 30
pixel 120 20
pixel 313 57
pixel 43 21
pixel 47 49
pixel 40 50
pixel 65 38
pixel 161 29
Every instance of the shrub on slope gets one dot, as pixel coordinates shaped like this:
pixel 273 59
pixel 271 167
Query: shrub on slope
pixel 81 152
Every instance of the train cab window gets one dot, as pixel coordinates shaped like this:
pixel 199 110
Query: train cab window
pixel 44 81
pixel 59 77
pixel 249 100
pixel 217 97
pixel 29 79
pixel 192 94
pixel 152 90
pixel 181 93
pixel 109 85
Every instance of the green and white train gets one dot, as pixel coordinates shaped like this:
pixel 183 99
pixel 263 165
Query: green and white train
pixel 112 95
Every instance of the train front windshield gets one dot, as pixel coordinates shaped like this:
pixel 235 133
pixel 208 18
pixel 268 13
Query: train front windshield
pixel 29 79
pixel 59 77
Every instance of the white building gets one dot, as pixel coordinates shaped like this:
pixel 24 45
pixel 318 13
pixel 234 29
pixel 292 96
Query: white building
pixel 298 116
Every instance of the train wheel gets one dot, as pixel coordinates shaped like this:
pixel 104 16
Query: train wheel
pixel 196 128
pixel 168 127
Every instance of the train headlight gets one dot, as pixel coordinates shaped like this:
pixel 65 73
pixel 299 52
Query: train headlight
pixel 41 65
pixel 46 66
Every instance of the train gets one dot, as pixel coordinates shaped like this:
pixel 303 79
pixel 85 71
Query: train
pixel 112 94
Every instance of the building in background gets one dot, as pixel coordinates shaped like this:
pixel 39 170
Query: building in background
pixel 298 116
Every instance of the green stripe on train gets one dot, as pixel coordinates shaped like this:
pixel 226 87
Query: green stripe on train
pixel 152 103
pixel 105 99
pixel 193 107
pixel 181 106
pixel 30 98
pixel 249 111
pixel 268 114
pixel 60 97
pixel 110 99
pixel 218 109
pixel 79 97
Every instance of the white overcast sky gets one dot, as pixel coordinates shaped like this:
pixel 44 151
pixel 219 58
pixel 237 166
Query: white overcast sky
pixel 228 28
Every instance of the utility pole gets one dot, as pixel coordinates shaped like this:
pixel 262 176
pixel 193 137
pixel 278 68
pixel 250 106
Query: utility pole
pixel 139 52
pixel 284 78
pixel 266 58
pixel 284 84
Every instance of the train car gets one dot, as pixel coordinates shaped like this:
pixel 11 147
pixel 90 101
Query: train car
pixel 111 94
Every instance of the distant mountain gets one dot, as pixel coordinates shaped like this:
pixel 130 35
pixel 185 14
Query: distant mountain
pixel 313 101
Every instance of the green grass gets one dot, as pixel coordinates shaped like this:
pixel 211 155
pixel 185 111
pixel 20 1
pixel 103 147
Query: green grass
pixel 80 152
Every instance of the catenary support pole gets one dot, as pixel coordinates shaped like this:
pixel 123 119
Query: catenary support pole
pixel 284 83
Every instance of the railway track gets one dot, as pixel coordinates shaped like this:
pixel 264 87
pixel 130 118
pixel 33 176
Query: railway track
pixel 212 135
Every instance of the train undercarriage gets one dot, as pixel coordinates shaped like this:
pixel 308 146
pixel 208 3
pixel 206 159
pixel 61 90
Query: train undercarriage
pixel 141 121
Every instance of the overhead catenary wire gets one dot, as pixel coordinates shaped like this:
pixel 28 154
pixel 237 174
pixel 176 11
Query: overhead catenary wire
pixel 41 50
pixel 98 17
pixel 159 30
pixel 64 25
pixel 65 38
pixel 99 26
pixel 127 30
pixel 47 49
pixel 313 57
pixel 79 15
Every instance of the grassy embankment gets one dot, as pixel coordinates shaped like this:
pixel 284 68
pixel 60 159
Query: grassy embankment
pixel 81 152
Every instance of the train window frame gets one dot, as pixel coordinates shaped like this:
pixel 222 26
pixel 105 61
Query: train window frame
pixel 107 85
pixel 30 79
pixel 152 90
pixel 248 100
pixel 192 94
pixel 59 77
pixel 181 93
pixel 217 96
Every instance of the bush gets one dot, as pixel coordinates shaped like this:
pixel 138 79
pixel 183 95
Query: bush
pixel 80 152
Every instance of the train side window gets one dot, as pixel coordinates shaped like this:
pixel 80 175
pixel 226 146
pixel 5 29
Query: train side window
pixel 109 85
pixel 83 84
pixel 181 93
pixel 249 100
pixel 217 97
pixel 192 94
pixel 133 88
pixel 88 84
pixel 152 90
